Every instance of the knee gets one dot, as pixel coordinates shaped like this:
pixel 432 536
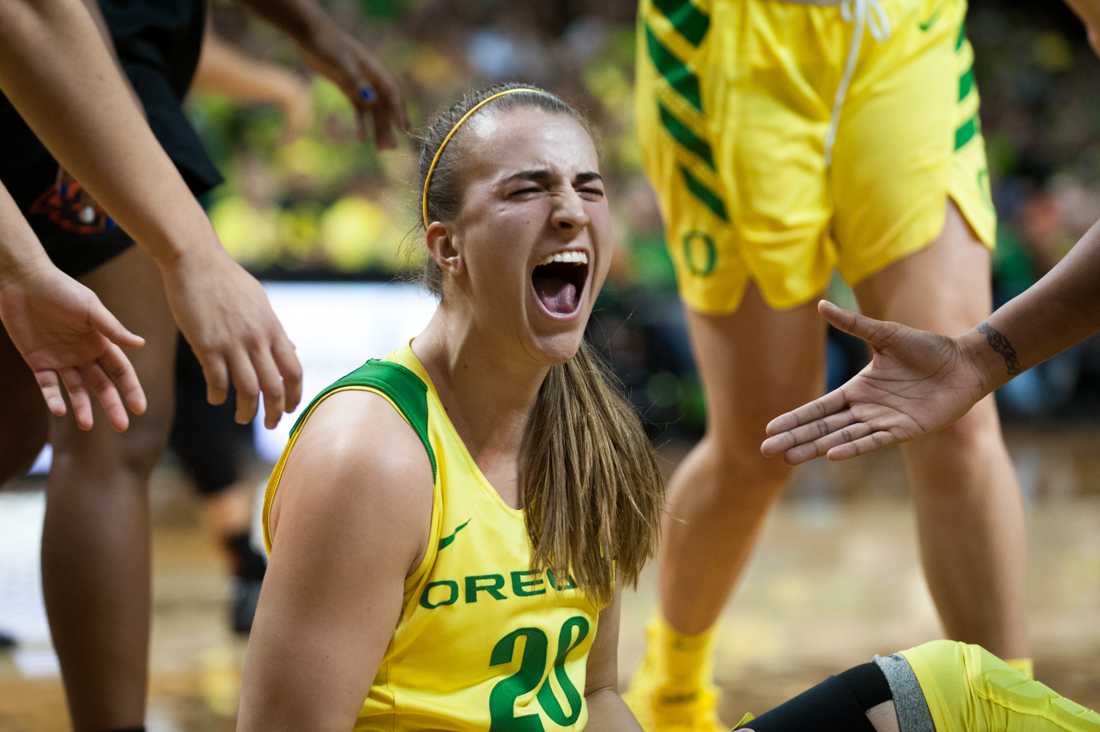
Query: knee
pixel 104 452
pixel 743 469
pixel 141 446
pixel 973 438
pixel 970 452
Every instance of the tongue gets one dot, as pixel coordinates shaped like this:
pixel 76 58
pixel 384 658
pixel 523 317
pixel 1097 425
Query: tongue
pixel 556 295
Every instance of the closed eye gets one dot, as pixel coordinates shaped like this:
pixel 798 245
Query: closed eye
pixel 592 192
pixel 523 191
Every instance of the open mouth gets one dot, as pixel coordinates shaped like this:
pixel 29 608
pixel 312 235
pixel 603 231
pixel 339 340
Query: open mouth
pixel 559 281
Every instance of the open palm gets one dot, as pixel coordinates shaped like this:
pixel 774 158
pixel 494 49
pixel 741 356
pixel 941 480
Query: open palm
pixel 917 382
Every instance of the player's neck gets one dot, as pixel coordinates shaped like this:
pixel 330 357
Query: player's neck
pixel 487 388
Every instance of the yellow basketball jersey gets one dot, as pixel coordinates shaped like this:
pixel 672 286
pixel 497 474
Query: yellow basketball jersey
pixel 483 642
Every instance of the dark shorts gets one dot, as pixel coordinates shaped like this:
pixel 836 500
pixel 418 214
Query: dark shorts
pixel 77 237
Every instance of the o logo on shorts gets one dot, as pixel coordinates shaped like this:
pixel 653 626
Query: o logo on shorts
pixel 700 253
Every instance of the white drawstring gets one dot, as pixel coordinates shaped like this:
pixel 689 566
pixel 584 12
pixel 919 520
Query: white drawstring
pixel 858 13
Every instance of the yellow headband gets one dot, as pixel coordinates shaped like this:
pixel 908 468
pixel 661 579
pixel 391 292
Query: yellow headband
pixel 454 130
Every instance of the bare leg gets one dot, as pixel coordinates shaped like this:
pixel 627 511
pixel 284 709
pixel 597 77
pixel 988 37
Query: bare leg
pixel 884 717
pixel 24 424
pixel 755 363
pixel 969 513
pixel 95 545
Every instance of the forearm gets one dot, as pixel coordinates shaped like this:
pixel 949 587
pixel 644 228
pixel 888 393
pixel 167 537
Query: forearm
pixel 225 70
pixel 302 20
pixel 1058 311
pixel 1089 12
pixel 607 710
pixel 91 124
pixel 20 250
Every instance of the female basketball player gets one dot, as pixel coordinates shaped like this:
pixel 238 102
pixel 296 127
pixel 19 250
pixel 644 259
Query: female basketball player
pixel 447 526
pixel 787 138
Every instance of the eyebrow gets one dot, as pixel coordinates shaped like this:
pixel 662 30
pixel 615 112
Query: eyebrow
pixel 542 175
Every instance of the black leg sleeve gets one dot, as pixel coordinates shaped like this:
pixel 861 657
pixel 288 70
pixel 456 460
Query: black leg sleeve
pixel 837 704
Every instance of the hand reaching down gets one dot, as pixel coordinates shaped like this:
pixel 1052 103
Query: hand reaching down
pixel 69 339
pixel 224 314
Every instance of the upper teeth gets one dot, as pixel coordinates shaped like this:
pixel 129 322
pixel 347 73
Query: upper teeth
pixel 573 257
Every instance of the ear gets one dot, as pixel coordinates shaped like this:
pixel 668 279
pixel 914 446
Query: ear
pixel 442 249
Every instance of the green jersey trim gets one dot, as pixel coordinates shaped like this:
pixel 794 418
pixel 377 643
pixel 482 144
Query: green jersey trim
pixel 404 388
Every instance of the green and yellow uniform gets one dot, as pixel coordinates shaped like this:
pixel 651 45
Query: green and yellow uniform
pixel 968 689
pixel 483 642
pixel 786 138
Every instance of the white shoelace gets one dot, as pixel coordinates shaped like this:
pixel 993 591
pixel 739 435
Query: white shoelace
pixel 858 13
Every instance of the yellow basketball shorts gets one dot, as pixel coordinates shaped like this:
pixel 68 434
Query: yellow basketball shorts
pixel 735 101
pixel 968 689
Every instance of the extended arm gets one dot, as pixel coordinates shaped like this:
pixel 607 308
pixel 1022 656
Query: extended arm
pixel 91 124
pixel 920 382
pixel 350 521
pixel 606 709
pixel 62 330
pixel 1089 13
pixel 1061 309
pixel 341 57
pixel 227 70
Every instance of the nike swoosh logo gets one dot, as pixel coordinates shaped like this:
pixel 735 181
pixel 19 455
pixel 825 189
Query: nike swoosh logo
pixel 446 541
pixel 926 25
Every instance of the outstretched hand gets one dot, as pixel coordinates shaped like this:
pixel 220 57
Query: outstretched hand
pixel 225 315
pixel 917 382
pixel 346 62
pixel 68 338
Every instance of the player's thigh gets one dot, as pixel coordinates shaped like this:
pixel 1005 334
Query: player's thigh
pixel 24 419
pixel 944 288
pixel 755 364
pixel 732 143
pixel 907 141
pixel 130 287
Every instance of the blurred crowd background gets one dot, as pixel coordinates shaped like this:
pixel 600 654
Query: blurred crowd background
pixel 306 200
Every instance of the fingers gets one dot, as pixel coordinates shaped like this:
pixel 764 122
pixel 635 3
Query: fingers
pixel 106 323
pixel 379 103
pixel 246 384
pixel 873 331
pixel 379 95
pixel 806 433
pixel 78 397
pixel 112 379
pixel 107 395
pixel 831 403
pixel 273 371
pixel 384 135
pixel 808 451
pixel 862 446
pixel 291 369
pixel 216 374
pixel 121 373
pixel 271 386
pixel 360 123
pixel 50 386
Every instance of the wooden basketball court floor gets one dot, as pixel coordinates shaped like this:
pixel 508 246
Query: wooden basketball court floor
pixel 834 580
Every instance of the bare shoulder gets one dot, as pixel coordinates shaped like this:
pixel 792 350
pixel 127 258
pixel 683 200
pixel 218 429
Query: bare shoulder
pixel 358 465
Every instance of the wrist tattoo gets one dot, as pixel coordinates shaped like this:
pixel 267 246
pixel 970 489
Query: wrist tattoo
pixel 1001 345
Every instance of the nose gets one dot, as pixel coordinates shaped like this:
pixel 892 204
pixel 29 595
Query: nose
pixel 569 217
